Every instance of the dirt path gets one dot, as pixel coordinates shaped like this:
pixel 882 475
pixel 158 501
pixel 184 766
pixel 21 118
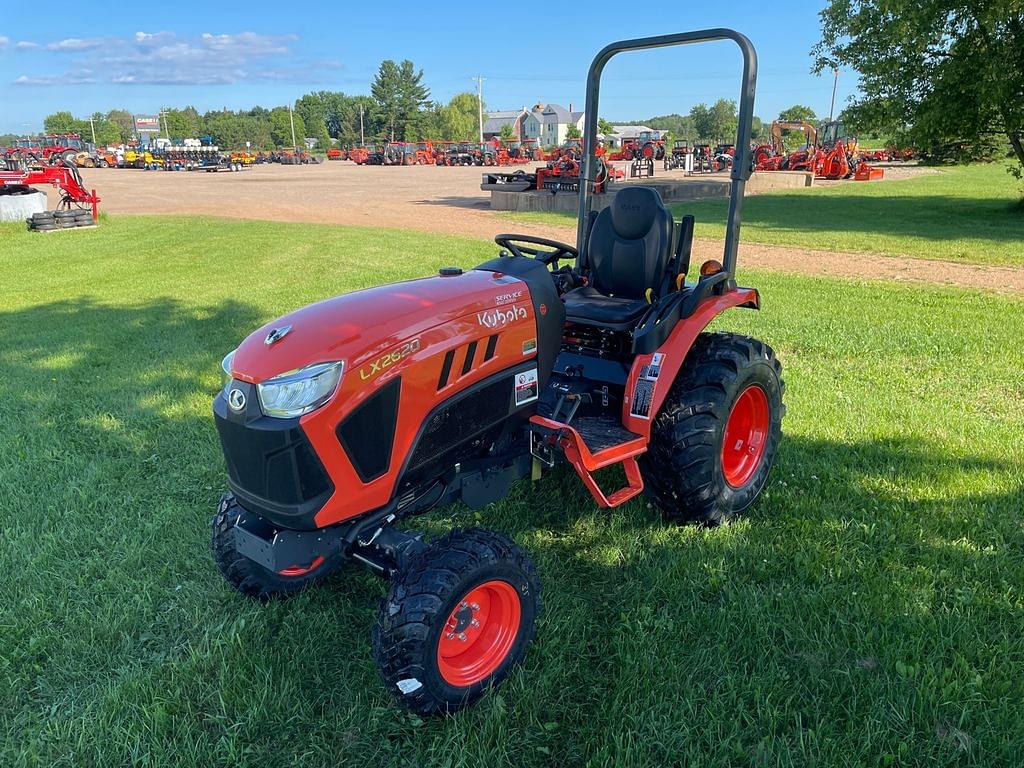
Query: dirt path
pixel 449 201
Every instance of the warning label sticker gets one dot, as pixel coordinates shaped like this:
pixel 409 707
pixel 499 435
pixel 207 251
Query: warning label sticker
pixel 527 387
pixel 643 394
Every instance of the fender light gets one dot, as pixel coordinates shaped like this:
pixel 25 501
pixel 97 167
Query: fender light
pixel 298 392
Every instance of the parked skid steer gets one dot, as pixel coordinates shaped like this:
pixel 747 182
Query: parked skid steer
pixel 346 418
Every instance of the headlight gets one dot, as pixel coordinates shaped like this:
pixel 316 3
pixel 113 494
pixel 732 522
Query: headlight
pixel 297 392
pixel 225 367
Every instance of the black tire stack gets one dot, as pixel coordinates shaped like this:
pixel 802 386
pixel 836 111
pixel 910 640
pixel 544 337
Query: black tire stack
pixel 48 221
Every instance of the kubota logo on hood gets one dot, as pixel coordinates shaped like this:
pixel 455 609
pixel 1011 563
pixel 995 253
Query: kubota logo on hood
pixel 496 318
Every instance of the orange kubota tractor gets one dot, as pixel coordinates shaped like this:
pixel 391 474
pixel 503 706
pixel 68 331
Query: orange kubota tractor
pixel 341 421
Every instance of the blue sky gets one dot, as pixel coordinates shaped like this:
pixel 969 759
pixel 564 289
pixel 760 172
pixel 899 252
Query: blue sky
pixel 212 56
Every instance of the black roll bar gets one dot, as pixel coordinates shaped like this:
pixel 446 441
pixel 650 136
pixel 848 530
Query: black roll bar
pixel 741 155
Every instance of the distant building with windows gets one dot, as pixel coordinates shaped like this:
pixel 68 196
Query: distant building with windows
pixel 549 123
pixel 497 120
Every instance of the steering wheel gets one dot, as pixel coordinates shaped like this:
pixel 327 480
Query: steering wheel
pixel 543 250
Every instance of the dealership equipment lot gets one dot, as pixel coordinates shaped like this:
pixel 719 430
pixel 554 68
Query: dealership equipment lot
pixel 448 200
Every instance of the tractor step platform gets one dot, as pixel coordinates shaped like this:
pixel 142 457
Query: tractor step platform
pixel 591 443
pixel 601 433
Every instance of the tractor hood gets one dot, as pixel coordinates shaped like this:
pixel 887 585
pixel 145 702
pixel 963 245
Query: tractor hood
pixel 360 326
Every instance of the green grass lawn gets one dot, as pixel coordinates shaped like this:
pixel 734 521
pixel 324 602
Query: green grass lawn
pixel 869 611
pixel 967 214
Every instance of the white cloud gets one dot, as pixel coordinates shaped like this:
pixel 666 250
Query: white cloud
pixel 68 78
pixel 75 44
pixel 165 58
pixel 4 42
pixel 25 45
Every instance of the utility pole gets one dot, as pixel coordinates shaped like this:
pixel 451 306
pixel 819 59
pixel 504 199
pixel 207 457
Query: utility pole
pixel 362 138
pixel 291 119
pixel 479 79
pixel 835 84
pixel 92 127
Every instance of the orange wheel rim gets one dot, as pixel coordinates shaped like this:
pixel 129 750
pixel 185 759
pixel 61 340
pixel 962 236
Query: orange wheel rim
pixel 479 633
pixel 746 434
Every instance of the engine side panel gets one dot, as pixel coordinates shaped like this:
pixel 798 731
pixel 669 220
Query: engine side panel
pixel 433 365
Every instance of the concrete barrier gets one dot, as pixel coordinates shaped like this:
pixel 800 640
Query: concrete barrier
pixel 21 207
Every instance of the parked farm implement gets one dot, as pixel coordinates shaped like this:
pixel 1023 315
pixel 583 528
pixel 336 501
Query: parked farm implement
pixel 17 178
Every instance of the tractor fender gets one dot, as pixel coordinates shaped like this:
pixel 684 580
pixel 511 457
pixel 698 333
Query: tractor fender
pixel 652 375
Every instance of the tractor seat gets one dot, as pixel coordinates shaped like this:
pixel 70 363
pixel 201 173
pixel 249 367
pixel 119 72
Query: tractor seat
pixel 627 252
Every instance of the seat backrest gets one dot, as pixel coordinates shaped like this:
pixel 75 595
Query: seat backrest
pixel 630 244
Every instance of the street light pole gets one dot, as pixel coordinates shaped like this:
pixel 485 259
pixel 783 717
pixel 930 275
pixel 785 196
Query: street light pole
pixel 480 102
pixel 291 119
pixel 835 85
pixel 362 138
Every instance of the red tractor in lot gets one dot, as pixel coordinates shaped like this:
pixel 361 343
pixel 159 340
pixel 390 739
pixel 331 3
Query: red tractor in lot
pixel 648 145
pixel 50 148
pixel 341 421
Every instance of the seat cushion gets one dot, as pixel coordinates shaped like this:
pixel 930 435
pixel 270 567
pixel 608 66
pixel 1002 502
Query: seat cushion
pixel 588 305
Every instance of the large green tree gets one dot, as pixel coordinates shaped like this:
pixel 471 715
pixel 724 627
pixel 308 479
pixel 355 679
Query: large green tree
pixel 460 118
pixel 182 123
pixel 61 122
pixel 281 127
pixel 715 123
pixel 947 75
pixel 124 121
pixel 798 113
pixel 399 95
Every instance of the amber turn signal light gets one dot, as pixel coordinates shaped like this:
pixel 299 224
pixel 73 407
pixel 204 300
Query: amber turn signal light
pixel 711 267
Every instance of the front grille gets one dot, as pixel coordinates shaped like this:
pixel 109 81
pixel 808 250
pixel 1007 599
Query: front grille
pixel 271 464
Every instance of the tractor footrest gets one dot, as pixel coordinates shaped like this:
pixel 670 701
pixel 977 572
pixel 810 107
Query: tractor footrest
pixel 602 433
pixel 593 443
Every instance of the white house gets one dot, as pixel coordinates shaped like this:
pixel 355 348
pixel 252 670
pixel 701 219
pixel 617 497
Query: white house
pixel 549 124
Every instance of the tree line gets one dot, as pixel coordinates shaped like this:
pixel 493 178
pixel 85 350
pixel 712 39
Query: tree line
pixel 399 108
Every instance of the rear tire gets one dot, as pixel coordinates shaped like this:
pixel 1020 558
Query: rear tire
pixel 248 577
pixel 456 621
pixel 715 438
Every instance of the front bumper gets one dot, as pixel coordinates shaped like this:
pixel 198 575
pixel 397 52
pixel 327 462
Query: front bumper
pixel 279 549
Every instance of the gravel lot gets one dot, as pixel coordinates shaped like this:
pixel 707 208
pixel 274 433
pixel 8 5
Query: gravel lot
pixel 449 201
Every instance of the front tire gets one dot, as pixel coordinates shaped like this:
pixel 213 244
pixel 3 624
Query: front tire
pixel 456 621
pixel 715 439
pixel 248 577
